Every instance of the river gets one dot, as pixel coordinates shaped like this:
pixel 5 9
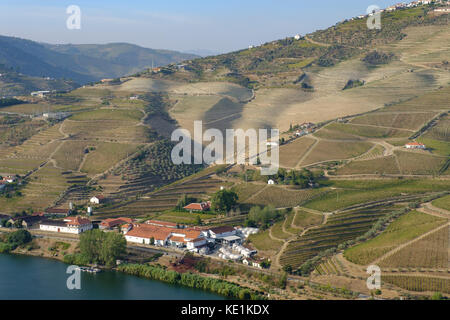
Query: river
pixel 33 278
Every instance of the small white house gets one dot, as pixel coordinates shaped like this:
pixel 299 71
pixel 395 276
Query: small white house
pixel 270 182
pixel 97 199
pixel 297 37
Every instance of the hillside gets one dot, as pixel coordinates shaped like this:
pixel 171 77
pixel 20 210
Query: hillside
pixel 81 63
pixel 16 84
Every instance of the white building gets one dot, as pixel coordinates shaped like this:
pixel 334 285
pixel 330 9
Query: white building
pixel 415 145
pixel 297 37
pixel 270 182
pixel 97 199
pixel 74 225
pixel 219 233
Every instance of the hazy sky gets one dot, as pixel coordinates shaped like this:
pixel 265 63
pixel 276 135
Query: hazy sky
pixel 176 24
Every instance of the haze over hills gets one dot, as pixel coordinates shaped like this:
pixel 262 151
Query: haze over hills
pixel 81 63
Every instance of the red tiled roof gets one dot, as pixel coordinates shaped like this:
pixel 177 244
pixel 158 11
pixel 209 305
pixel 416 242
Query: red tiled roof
pixel 77 221
pixel 198 206
pixel 177 239
pixel 414 144
pixel 115 222
pixel 149 231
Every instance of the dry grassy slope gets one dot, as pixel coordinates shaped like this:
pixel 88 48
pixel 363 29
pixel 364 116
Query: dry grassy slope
pixel 224 105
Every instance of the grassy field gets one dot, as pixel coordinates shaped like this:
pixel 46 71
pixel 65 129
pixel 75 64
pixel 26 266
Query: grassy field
pixel 429 252
pixel 106 155
pixel 109 114
pixel 417 163
pixel 70 154
pixel 246 190
pixel 277 231
pixel 411 121
pixel 304 219
pixel 436 146
pixel 351 192
pixel 283 197
pixel 443 203
pixel 263 242
pixel 385 165
pixel 291 153
pixel 328 150
pixel 368 131
pixel 404 229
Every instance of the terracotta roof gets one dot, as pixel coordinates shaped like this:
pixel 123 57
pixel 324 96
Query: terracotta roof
pixel 218 230
pixel 190 233
pixel 414 144
pixel 149 231
pixel 77 221
pixel 198 206
pixel 115 222
pixel 177 239
pixel 197 240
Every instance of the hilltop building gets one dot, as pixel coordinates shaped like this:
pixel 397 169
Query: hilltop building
pixel 415 145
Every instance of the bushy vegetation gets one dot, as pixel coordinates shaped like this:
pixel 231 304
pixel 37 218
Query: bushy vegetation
pixel 304 178
pixel 353 84
pixel 14 239
pixel 224 200
pixel 6 102
pixel 191 280
pixel 377 57
pixel 262 217
pixel 99 247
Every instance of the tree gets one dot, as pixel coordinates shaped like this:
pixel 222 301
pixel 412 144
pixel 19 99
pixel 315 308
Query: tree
pixel 101 247
pixel 198 221
pixel 224 200
pixel 19 237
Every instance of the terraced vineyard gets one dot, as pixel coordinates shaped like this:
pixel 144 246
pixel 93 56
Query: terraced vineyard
pixel 430 252
pixel 338 229
pixel 417 283
pixel 404 229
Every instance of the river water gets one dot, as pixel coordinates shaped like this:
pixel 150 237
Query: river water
pixel 26 277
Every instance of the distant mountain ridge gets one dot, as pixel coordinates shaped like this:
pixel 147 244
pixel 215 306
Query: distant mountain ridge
pixel 82 63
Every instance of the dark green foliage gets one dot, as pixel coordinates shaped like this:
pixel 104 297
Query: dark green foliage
pixel 353 84
pixel 5 102
pixel 191 280
pixel 378 57
pixel 224 200
pixel 19 237
pixel 262 216
pixel 304 178
pixel 102 247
